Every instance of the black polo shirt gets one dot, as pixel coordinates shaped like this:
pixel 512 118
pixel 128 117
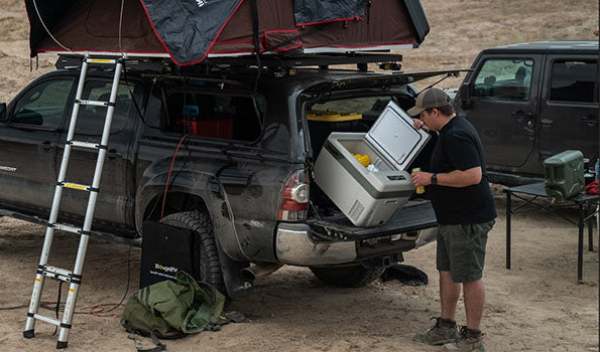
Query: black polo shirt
pixel 459 148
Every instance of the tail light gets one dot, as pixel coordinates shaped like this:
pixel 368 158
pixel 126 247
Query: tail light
pixel 293 205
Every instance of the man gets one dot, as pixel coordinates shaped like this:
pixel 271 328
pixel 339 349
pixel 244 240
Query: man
pixel 465 210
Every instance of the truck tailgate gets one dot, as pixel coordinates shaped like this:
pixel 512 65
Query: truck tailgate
pixel 415 215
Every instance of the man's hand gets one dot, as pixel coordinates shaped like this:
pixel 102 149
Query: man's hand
pixel 418 123
pixel 421 178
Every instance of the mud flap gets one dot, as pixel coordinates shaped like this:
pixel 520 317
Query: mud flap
pixel 232 275
pixel 235 282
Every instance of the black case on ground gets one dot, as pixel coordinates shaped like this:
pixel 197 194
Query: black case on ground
pixel 165 250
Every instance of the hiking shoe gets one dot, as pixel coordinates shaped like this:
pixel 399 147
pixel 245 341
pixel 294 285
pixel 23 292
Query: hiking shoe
pixel 443 332
pixel 468 341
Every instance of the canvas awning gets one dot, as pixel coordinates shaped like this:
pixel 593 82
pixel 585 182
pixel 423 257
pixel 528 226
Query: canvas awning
pixel 188 31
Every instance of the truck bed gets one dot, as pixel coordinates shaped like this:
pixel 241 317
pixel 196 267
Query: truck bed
pixel 415 215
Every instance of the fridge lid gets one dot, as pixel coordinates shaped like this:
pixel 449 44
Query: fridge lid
pixel 395 137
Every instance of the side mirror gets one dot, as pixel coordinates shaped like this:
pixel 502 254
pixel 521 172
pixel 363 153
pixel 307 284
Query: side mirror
pixel 3 114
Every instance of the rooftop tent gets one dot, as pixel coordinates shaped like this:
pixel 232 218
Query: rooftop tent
pixel 188 31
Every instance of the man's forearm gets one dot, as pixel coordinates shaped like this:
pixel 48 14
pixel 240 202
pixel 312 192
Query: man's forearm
pixel 458 178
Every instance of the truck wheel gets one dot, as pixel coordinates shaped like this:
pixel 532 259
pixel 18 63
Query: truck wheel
pixel 347 276
pixel 207 262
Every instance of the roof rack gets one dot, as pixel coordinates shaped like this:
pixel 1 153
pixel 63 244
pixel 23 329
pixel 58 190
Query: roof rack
pixel 306 60
pixel 154 64
pixel 323 61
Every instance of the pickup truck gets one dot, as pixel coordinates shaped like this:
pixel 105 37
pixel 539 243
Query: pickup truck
pixel 220 150
pixel 530 101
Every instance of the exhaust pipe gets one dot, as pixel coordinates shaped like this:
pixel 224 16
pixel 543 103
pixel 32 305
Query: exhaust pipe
pixel 257 270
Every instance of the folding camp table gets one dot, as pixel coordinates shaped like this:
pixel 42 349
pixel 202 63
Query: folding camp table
pixel 530 194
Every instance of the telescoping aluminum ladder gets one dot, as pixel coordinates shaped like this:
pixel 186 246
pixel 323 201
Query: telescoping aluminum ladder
pixel 73 278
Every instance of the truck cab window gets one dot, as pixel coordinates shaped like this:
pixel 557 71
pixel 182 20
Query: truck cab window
pixel 44 105
pixel 221 116
pixel 573 81
pixel 504 79
pixel 91 118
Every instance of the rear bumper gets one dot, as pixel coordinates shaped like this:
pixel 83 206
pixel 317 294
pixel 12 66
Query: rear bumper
pixel 298 244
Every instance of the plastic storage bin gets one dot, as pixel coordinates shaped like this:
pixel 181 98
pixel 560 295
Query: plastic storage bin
pixel 564 174
pixel 370 198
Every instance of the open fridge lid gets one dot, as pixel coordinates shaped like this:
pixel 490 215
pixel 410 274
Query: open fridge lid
pixel 394 135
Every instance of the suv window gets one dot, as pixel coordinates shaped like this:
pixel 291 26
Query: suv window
pixel 573 80
pixel 505 79
pixel 222 116
pixel 90 120
pixel 44 105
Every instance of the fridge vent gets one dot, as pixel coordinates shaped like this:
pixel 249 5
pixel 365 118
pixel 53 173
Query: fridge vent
pixel 356 210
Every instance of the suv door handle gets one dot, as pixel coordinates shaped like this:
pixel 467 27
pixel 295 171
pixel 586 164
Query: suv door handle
pixel 521 114
pixel 47 146
pixel 590 120
pixel 546 122
pixel 112 154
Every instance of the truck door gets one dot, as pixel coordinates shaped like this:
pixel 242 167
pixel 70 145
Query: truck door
pixel 28 142
pixel 115 199
pixel 569 114
pixel 503 106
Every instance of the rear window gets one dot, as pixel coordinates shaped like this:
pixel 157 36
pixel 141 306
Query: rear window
pixel 205 115
pixel 573 81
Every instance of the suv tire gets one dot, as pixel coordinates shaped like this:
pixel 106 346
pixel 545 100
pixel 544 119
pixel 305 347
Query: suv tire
pixel 207 266
pixel 347 276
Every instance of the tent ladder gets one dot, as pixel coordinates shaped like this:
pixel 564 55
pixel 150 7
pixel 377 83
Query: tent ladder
pixel 73 278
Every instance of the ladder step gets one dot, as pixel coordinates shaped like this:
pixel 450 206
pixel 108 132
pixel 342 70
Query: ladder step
pixel 57 273
pixel 77 186
pixel 86 145
pixel 71 229
pixel 93 102
pixel 47 319
pixel 101 61
pixel 67 228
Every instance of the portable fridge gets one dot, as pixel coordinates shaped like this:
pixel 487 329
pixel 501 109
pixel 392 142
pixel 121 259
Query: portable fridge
pixel 370 198
pixel 564 174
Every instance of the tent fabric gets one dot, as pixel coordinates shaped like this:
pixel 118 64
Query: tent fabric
pixel 189 28
pixel 50 11
pixel 188 31
pixel 92 25
pixel 310 12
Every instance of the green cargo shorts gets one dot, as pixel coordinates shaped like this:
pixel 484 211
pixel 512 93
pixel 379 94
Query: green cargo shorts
pixel 461 250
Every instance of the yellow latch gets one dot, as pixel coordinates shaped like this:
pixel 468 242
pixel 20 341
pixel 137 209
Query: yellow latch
pixel 100 61
pixel 75 186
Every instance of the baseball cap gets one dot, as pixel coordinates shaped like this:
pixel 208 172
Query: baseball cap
pixel 427 99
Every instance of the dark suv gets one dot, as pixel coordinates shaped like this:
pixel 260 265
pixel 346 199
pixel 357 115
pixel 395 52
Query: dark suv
pixel 530 101
pixel 219 149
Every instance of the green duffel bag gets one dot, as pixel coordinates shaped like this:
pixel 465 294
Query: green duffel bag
pixel 171 309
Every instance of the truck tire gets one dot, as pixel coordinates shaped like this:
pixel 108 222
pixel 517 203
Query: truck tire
pixel 207 262
pixel 347 276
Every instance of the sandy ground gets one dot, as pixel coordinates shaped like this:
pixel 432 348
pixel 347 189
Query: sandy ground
pixel 537 306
